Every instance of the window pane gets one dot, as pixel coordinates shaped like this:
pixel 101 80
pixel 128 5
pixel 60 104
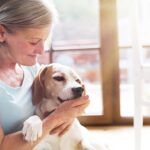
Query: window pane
pixel 86 63
pixel 146 86
pixel 78 27
pixel 126 60
pixel 124 28
pixel 145 21
pixel 126 83
pixel 127 78
pixel 124 21
pixel 124 8
pixel 78 21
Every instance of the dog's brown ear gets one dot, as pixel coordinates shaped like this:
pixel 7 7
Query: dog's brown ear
pixel 38 87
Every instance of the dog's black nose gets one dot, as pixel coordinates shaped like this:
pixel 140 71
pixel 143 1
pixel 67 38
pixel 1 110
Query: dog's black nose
pixel 77 91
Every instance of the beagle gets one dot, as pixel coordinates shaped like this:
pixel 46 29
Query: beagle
pixel 54 84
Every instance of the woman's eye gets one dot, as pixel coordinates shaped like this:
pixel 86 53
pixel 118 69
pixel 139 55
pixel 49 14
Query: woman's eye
pixel 59 78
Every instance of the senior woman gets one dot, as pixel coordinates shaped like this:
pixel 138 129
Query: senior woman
pixel 24 27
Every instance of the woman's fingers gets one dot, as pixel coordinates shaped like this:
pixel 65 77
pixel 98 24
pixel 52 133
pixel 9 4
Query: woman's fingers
pixel 63 128
pixel 73 108
pixel 79 101
pixel 81 108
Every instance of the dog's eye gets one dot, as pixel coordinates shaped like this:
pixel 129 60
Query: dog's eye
pixel 78 81
pixel 59 78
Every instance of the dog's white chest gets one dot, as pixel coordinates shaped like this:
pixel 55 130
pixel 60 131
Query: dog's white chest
pixel 69 141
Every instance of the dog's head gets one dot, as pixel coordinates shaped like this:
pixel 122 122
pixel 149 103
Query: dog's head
pixel 56 81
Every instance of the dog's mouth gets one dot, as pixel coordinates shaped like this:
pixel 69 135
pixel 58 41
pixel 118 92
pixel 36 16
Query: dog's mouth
pixel 61 100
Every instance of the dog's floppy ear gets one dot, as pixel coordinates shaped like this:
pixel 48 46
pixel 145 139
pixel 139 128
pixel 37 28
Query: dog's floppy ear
pixel 38 87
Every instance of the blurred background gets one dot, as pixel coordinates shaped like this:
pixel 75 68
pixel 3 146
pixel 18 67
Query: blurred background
pixel 95 38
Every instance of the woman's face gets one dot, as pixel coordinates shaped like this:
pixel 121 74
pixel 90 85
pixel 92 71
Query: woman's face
pixel 25 45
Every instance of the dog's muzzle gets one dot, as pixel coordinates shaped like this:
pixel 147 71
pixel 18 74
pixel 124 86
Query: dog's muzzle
pixel 76 93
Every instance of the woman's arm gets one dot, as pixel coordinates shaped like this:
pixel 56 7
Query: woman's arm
pixel 15 141
pixel 57 122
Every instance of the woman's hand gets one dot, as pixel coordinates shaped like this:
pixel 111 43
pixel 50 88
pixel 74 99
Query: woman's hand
pixel 62 129
pixel 73 108
pixel 67 112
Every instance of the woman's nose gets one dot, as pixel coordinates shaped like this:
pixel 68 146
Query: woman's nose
pixel 40 47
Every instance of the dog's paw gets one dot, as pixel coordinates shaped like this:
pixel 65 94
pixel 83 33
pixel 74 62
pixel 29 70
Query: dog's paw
pixel 32 129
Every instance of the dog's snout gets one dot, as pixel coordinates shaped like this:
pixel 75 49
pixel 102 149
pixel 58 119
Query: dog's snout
pixel 77 91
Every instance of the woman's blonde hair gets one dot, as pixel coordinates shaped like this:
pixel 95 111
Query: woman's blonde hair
pixel 26 13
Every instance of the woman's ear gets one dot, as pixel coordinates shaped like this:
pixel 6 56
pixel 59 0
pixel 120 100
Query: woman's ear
pixel 2 33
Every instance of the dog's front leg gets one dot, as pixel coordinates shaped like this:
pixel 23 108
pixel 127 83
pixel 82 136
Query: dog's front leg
pixel 32 129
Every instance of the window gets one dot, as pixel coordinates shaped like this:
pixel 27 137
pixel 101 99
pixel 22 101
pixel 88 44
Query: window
pixel 94 37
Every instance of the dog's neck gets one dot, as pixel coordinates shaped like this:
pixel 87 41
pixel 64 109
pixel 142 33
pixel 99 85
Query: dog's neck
pixel 48 95
pixel 48 105
pixel 47 113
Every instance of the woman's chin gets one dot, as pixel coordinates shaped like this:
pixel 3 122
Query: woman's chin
pixel 29 63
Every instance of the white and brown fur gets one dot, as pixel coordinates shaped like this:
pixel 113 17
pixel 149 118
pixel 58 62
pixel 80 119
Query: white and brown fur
pixel 54 84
